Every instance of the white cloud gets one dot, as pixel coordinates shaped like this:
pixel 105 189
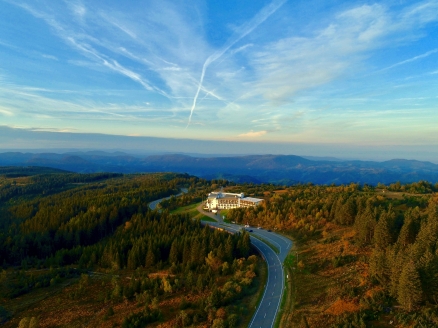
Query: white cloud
pixel 253 134
pixel 49 57
pixel 6 112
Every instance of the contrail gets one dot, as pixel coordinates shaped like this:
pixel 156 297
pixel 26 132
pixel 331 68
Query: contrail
pixel 247 28
pixel 426 54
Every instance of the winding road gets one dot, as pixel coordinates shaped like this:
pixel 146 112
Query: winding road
pixel 153 204
pixel 267 310
pixel 265 314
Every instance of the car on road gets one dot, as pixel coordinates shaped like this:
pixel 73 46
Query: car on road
pixel 250 230
pixel 269 230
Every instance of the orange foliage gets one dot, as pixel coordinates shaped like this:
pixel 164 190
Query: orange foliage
pixel 349 234
pixel 371 292
pixel 341 306
pixel 160 274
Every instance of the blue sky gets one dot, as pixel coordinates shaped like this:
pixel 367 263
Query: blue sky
pixel 356 74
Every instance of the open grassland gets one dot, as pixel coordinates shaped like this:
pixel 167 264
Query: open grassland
pixel 193 213
pixel 318 289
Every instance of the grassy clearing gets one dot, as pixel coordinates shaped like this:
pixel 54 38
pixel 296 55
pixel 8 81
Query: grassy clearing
pixel 316 285
pixel 288 300
pixel 185 209
pixel 193 213
pixel 24 302
pixel 205 218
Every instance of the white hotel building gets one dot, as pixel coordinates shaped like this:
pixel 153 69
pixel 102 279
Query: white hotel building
pixel 225 200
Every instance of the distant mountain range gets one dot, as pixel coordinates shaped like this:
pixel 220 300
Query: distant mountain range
pixel 281 169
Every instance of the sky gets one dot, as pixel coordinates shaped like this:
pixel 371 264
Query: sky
pixel 322 78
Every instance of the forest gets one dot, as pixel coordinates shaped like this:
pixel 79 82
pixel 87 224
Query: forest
pixel 364 256
pixel 93 237
pixel 373 250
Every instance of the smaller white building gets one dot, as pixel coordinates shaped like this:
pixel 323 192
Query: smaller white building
pixel 225 200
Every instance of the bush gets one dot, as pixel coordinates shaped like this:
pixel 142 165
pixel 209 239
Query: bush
pixel 5 315
pixel 141 319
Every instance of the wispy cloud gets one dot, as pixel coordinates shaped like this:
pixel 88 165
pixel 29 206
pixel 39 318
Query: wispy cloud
pixel 49 57
pixel 6 112
pixel 74 36
pixel 292 64
pixel 253 134
pixel 244 81
pixel 48 129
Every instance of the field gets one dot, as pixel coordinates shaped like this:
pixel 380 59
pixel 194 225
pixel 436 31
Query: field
pixel 193 213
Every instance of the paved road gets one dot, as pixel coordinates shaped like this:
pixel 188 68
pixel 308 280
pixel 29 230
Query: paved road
pixel 153 205
pixel 267 310
pixel 266 313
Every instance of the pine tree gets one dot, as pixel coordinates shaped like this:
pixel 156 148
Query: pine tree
pixel 378 266
pixel 349 212
pixel 133 258
pixel 173 255
pixel 382 233
pixel 395 259
pixel 245 245
pixel 426 238
pixel 200 284
pixel 364 225
pixel 229 247
pixel 409 292
pixel 409 230
pixel 150 257
pixel 428 270
pixel 194 252
pixel 186 252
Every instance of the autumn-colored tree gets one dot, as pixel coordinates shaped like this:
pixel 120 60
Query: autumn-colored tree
pixel 213 261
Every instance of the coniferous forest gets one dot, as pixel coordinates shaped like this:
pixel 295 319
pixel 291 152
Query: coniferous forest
pixel 366 256
pixel 87 250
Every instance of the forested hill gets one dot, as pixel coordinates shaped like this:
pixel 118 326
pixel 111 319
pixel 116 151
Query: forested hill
pixel 367 257
pixel 280 169
pixel 85 249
